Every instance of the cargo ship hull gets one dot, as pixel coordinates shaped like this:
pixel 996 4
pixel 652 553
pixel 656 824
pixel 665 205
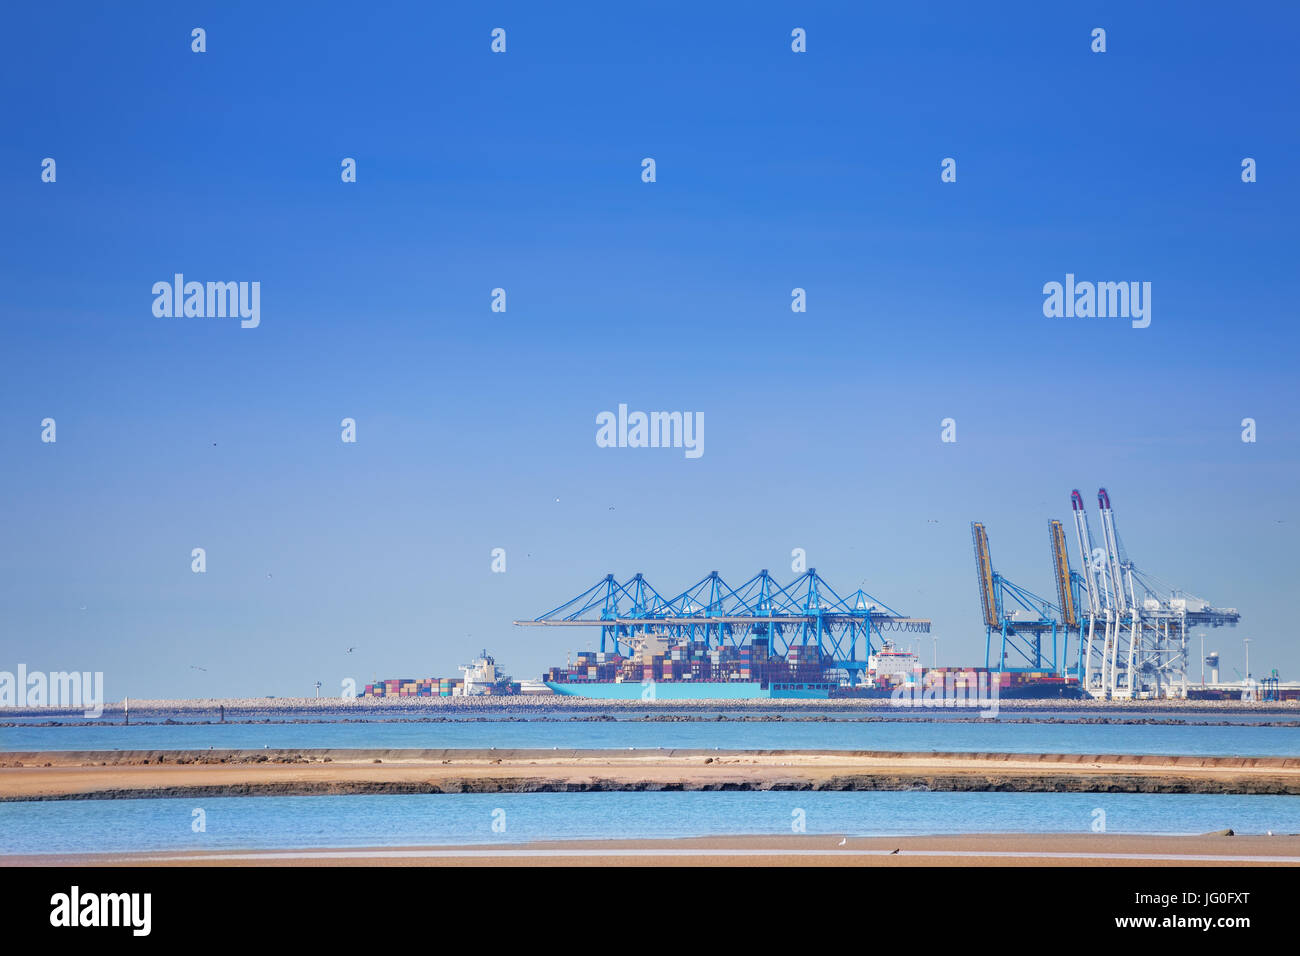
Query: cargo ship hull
pixel 688 690
pixel 1042 690
pixel 754 690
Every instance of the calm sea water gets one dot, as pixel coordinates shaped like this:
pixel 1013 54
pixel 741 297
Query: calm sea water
pixel 407 820
pixel 552 713
pixel 944 735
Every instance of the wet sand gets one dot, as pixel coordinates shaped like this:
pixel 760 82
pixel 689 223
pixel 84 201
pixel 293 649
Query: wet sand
pixel 57 775
pixel 960 850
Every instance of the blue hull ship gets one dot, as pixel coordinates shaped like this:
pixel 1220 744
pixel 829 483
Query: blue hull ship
pixel 689 690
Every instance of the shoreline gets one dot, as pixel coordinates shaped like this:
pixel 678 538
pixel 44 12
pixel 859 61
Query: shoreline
pixel 526 702
pixel 970 849
pixel 100 775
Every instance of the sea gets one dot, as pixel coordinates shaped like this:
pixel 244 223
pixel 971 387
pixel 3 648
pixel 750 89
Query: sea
pixel 250 823
pixel 1041 732
pixel 232 823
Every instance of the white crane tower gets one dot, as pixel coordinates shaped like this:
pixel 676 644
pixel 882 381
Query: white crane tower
pixel 1141 650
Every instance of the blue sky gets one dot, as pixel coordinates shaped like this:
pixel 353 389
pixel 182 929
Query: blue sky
pixel 775 170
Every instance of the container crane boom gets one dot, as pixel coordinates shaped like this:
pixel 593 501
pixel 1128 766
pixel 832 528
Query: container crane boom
pixel 1112 552
pixel 1084 535
pixel 1061 571
pixel 984 568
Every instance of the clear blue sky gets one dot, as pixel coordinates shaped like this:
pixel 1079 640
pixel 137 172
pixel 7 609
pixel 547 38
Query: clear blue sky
pixel 522 171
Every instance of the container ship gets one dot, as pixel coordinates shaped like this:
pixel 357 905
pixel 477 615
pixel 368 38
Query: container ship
pixel 660 670
pixel 693 670
pixel 482 678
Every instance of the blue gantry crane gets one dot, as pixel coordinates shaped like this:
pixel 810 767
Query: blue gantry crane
pixel 807 612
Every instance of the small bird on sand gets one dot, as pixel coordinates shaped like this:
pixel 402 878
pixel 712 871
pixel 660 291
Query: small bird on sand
pixel 842 842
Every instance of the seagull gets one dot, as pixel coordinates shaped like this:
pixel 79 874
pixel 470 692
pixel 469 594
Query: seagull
pixel 351 649
pixel 842 842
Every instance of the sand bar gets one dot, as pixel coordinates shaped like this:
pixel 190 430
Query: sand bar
pixel 62 775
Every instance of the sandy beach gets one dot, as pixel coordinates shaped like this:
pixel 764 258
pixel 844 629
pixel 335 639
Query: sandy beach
pixel 992 850
pixel 56 775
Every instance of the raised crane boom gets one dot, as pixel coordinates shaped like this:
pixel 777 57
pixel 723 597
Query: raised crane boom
pixel 1084 535
pixel 1061 571
pixel 1112 552
pixel 984 568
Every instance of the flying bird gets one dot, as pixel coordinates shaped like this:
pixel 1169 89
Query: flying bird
pixel 196 667
pixel 351 649
pixel 842 842
pixel 892 852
